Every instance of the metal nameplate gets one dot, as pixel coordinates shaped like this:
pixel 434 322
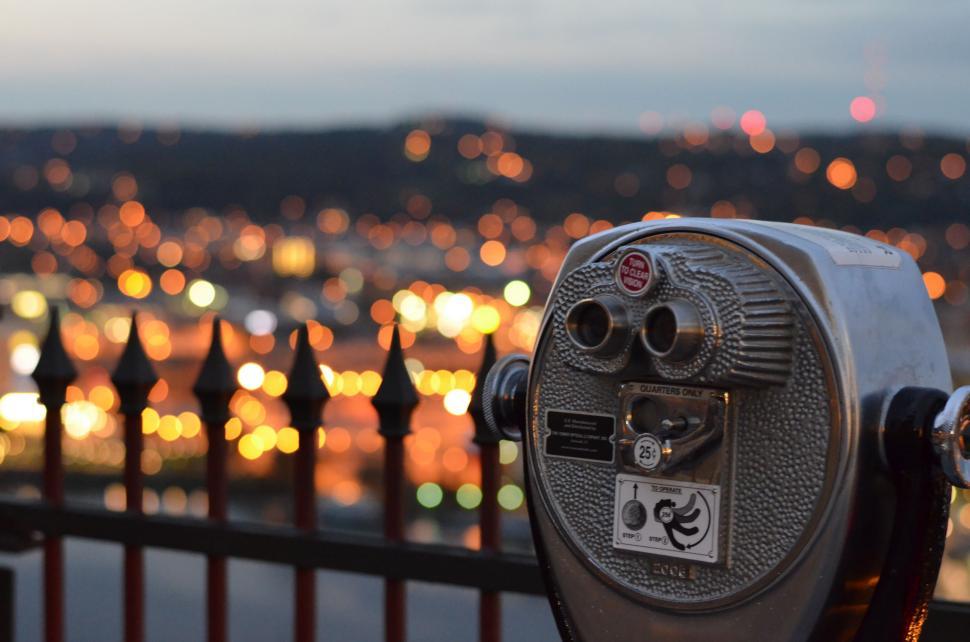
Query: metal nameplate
pixel 580 435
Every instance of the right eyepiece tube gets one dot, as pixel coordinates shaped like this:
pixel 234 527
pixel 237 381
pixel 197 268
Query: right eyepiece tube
pixel 673 330
pixel 598 325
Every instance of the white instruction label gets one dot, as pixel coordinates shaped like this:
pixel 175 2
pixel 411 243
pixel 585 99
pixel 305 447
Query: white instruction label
pixel 664 517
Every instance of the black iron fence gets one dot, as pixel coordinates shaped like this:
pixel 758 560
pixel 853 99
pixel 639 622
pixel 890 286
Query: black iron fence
pixel 26 524
pixel 45 523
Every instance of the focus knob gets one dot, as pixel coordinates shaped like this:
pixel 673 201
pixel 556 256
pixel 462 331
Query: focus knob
pixel 504 394
pixel 951 438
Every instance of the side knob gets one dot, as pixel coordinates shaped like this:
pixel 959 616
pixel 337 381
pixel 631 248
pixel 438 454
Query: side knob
pixel 504 395
pixel 951 437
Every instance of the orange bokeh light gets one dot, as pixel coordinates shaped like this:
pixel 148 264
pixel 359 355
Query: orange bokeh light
pixel 935 284
pixel 492 253
pixel 841 173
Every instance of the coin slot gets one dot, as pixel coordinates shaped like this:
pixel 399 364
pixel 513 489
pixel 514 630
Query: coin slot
pixel 644 415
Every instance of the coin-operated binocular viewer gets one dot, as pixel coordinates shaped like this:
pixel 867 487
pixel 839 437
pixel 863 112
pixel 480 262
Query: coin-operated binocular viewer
pixel 736 431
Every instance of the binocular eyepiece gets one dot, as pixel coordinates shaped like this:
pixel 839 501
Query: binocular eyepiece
pixel 598 325
pixel 670 330
pixel 725 420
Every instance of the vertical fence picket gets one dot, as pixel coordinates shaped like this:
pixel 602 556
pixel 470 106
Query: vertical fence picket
pixel 133 378
pixel 54 372
pixel 489 604
pixel 305 397
pixel 214 389
pixel 8 586
pixel 394 401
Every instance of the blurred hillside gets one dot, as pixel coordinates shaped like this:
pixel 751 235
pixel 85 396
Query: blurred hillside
pixel 896 178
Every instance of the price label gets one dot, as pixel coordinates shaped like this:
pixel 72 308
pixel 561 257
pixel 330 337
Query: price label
pixel 647 452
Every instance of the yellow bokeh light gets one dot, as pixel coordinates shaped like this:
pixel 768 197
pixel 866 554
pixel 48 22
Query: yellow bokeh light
pixel 22 337
pixel 486 319
pixel 191 424
pixel 116 329
pixel 233 428
pixel 201 293
pixel 169 428
pixel 29 304
pixel 370 381
pixel 149 421
pixel 287 440
pixel 250 446
pixel 252 411
pixel 413 307
pixel 456 401
pixel 18 407
pixel 102 397
pixel 24 358
pixel 81 418
pixel 135 283
pixel 251 376
pixel 267 437
pixel 517 293
pixel 274 383
pixel 465 379
pixel 351 383
pixel 507 451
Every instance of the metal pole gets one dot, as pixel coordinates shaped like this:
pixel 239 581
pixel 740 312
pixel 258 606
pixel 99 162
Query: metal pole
pixel 133 377
pixel 214 388
pixel 489 515
pixel 53 546
pixel 7 595
pixel 305 518
pixel 490 604
pixel 134 561
pixel 54 372
pixel 394 589
pixel 305 397
pixel 394 401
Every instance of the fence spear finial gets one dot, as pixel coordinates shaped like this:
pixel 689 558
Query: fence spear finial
pixel 396 398
pixel 215 385
pixel 134 375
pixel 305 392
pixel 54 370
pixel 482 433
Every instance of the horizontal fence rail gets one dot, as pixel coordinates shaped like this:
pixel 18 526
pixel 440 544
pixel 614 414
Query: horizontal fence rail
pixel 365 554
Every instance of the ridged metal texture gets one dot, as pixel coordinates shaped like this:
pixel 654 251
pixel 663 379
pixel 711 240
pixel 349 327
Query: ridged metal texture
pixel 760 346
pixel 746 313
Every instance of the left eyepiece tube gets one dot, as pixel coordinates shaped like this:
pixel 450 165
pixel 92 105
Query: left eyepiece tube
pixel 598 325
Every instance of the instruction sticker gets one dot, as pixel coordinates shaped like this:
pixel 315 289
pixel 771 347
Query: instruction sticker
pixel 664 517
pixel 580 435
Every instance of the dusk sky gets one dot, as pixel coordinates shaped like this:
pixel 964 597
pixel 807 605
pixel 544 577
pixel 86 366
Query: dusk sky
pixel 561 65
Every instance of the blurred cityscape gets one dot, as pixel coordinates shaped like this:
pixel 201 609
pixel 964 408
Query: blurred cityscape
pixel 455 228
